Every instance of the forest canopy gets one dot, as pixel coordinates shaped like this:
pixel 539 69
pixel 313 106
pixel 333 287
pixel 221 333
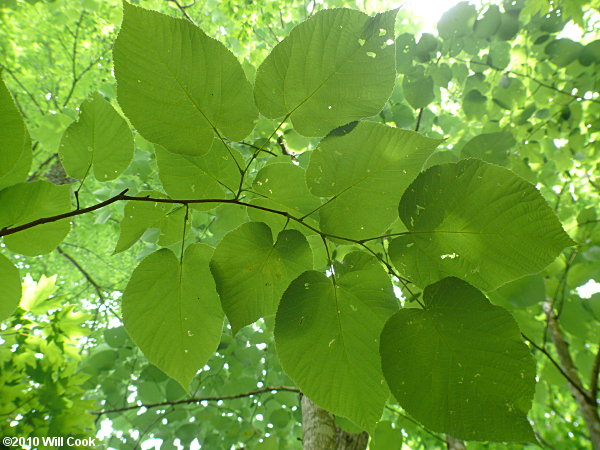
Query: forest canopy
pixel 299 224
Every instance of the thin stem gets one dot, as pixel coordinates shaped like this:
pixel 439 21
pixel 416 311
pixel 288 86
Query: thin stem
pixel 418 125
pixel 257 151
pixel 76 193
pixel 594 377
pixel 22 86
pixel 183 8
pixel 529 77
pixel 185 219
pixel 575 384
pixel 410 419
pixel 124 197
pixel 256 147
pixel 560 285
pixel 264 390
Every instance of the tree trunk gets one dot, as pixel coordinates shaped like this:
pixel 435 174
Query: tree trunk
pixel 320 432
pixel 587 405
pixel 318 427
pixel 351 441
pixel 454 444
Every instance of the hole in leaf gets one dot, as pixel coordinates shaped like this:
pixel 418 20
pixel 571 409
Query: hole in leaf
pixel 449 256
pixel 371 54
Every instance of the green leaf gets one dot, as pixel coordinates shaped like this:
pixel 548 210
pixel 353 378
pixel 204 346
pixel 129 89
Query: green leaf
pixel 457 21
pixel 418 90
pixel 13 133
pixel 590 53
pixel 35 298
pixel 347 425
pixel 171 227
pixel 213 175
pixel 474 103
pixel 563 52
pixel 521 293
pixel 100 139
pixel 491 147
pixel 139 216
pixel 386 437
pixel 336 67
pixel 179 87
pixel 10 286
pixel 373 161
pixel 116 337
pixel 172 311
pixel 426 48
pixel 282 186
pixel 251 272
pixel 477 221
pixel 487 26
pixel 327 331
pixel 499 56
pixel 26 202
pixel 460 366
pixel 509 26
pixel 405 47
pixel 19 171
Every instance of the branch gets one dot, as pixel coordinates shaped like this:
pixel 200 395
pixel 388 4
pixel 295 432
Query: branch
pixel 122 196
pixel 34 175
pixel 11 230
pixel 410 419
pixel 529 77
pixel 80 76
pixel 90 280
pixel 594 377
pixel 183 8
pixel 22 86
pixel 83 272
pixel 418 125
pixel 255 147
pixel 562 348
pixel 201 399
pixel 574 383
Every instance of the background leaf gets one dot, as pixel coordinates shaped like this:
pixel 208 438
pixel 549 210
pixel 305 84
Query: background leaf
pixel 10 286
pixel 26 202
pixel 100 139
pixel 13 133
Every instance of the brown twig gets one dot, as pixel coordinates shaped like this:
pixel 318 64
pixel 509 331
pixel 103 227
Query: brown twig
pixel 529 77
pixel 573 382
pixel 594 376
pixel 418 125
pixel 201 399
pixel 183 8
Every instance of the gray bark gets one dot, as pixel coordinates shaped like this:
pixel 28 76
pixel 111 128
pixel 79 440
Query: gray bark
pixel 320 432
pixel 318 427
pixel 587 405
pixel 454 444
pixel 351 441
